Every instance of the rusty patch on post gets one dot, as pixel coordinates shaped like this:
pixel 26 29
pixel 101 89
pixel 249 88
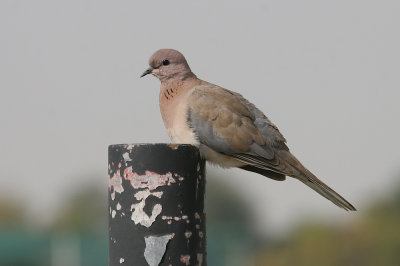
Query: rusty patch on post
pixel 149 180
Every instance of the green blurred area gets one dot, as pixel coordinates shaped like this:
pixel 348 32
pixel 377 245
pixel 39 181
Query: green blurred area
pixel 373 238
pixel 79 235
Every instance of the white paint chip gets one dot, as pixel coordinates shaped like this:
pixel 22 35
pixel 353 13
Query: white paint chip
pixel 121 260
pixel 155 248
pixel 199 259
pixel 139 216
pixel 170 219
pixel 116 183
pixel 149 180
pixel 126 157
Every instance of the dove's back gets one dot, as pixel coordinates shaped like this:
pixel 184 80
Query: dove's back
pixel 231 131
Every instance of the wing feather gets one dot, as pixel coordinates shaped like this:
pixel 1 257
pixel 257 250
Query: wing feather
pixel 229 124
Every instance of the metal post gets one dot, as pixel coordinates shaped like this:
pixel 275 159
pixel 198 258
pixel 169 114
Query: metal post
pixel 156 205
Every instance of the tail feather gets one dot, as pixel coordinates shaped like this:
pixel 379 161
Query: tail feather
pixel 304 175
pixel 286 164
pixel 317 185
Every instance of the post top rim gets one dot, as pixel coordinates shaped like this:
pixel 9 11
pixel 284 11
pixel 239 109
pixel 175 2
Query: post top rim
pixel 132 145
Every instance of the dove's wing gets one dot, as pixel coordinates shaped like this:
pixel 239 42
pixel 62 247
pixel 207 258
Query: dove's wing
pixel 229 124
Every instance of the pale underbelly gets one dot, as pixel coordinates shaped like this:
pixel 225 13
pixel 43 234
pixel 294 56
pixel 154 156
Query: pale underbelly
pixel 219 159
pixel 185 135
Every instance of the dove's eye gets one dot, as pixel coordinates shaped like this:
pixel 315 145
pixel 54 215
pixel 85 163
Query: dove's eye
pixel 165 62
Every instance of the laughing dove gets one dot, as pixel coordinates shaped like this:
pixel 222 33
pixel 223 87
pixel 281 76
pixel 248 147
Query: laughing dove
pixel 228 130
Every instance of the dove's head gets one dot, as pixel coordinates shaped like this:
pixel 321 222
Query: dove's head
pixel 168 64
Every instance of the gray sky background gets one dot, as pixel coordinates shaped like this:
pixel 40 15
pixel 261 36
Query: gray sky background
pixel 326 72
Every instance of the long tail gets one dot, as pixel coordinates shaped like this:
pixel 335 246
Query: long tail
pixel 308 178
pixel 313 182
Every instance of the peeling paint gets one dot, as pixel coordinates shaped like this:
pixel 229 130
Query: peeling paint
pixel 116 183
pixel 144 194
pixel 145 208
pixel 188 234
pixel 169 219
pixel 199 259
pixel 126 157
pixel 139 216
pixel 149 180
pixel 185 259
pixel 155 248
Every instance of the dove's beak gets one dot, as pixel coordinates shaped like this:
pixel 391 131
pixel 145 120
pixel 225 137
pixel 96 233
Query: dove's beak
pixel 148 71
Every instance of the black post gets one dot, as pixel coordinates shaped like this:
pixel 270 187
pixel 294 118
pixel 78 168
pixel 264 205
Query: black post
pixel 156 205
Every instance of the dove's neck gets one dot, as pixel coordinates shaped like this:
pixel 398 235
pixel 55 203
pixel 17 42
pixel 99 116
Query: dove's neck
pixel 173 107
pixel 173 88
